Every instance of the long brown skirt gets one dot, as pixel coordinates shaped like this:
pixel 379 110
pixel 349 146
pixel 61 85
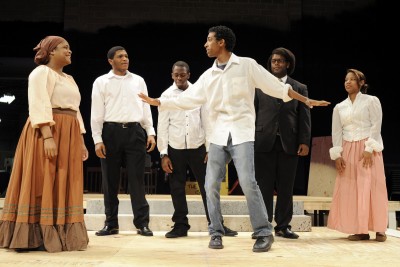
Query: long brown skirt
pixel 44 200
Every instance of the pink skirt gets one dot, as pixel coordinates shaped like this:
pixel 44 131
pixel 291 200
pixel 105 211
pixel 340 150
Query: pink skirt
pixel 360 202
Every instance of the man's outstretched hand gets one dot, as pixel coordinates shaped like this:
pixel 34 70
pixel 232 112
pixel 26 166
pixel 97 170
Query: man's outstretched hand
pixel 149 100
pixel 317 103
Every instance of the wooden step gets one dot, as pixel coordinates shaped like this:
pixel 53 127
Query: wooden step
pixel 234 210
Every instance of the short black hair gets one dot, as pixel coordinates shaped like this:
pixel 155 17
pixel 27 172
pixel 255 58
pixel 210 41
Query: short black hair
pixel 223 32
pixel 111 52
pixel 181 64
pixel 287 54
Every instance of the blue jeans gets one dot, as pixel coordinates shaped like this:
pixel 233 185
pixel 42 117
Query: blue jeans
pixel 243 158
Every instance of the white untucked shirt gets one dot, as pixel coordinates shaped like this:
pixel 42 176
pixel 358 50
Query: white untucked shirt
pixel 229 95
pixel 181 129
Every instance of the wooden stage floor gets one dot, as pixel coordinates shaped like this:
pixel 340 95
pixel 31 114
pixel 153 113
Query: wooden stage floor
pixel 320 247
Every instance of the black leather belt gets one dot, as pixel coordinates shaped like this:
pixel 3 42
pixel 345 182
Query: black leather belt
pixel 123 124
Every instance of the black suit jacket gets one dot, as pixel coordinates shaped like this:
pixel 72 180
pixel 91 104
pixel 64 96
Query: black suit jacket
pixel 292 118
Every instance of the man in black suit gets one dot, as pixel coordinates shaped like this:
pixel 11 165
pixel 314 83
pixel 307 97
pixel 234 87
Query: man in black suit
pixel 283 132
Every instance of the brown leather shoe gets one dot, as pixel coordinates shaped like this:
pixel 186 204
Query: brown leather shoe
pixel 381 237
pixel 358 237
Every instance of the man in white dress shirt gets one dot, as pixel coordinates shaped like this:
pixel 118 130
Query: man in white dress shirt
pixel 181 140
pixel 122 128
pixel 228 89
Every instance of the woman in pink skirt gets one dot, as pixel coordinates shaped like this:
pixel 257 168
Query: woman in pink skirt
pixel 360 202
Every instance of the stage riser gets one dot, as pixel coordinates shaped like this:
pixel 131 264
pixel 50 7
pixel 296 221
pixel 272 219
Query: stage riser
pixel 235 214
pixel 228 207
pixel 198 223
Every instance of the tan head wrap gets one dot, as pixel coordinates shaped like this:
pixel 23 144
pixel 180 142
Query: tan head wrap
pixel 43 49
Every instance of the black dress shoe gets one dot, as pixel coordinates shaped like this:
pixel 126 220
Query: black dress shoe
pixel 286 233
pixel 108 230
pixel 176 232
pixel 145 231
pixel 253 236
pixel 263 243
pixel 229 232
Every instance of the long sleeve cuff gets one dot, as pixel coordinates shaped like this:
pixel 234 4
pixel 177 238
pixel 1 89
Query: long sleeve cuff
pixel 97 139
pixel 335 152
pixel 150 131
pixel 286 97
pixel 373 145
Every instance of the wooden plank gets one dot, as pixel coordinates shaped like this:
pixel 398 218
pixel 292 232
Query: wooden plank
pixel 320 247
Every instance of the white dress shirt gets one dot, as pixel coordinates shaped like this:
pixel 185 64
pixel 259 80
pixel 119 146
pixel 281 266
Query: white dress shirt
pixel 229 95
pixel 115 99
pixel 181 129
pixel 358 120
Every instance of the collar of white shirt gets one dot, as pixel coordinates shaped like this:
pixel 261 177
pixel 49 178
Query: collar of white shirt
pixel 284 79
pixel 111 74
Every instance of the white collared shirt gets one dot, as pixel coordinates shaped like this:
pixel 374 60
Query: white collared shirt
pixel 229 95
pixel 357 121
pixel 181 129
pixel 115 99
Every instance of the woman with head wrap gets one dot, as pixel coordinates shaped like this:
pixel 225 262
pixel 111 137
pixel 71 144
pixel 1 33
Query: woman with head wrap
pixel 43 208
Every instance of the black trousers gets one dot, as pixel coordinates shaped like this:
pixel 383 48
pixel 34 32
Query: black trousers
pixel 181 158
pixel 277 169
pixel 127 144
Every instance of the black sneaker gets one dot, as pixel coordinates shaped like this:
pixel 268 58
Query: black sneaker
pixel 215 242
pixel 229 232
pixel 176 232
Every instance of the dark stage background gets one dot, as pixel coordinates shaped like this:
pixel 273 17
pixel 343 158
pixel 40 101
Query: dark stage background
pixel 327 37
